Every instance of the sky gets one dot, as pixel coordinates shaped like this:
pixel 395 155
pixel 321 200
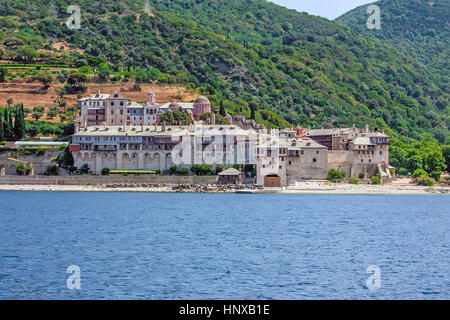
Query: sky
pixel 330 9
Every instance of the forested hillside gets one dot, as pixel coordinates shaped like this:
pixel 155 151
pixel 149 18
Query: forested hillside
pixel 299 69
pixel 418 28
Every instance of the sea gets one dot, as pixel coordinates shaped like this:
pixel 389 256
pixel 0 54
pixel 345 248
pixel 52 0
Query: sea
pixel 69 245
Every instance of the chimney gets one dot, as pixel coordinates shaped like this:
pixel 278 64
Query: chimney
pixel 213 119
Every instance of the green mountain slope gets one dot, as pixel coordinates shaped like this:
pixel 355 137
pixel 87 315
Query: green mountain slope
pixel 419 29
pixel 309 70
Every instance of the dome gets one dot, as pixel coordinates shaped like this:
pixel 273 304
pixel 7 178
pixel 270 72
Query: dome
pixel 202 100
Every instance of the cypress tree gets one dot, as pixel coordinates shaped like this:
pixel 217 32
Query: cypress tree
pixel 253 108
pixel 9 134
pixel 222 110
pixel 2 129
pixel 19 122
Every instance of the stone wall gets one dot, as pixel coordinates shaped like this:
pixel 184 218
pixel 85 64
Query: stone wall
pixel 344 160
pixel 95 180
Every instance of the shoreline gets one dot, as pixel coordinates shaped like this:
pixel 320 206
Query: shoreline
pixel 301 188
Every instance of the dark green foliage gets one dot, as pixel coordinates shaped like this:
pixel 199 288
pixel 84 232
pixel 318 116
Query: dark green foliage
pixel 105 171
pixel 22 169
pixel 335 175
pixel 176 118
pixel 353 181
pixel 426 181
pixel 426 155
pixel 202 170
pixel 184 172
pixel 362 176
pixel 419 173
pixel 85 168
pixel 403 172
pixel 19 122
pixel 375 180
pixel 12 123
pixel 173 170
pixel 3 73
pixel 222 110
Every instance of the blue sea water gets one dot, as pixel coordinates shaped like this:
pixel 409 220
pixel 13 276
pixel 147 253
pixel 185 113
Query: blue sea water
pixel 223 246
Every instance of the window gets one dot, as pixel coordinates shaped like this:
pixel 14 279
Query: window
pixel 290 162
pixel 317 152
pixel 314 160
pixel 121 111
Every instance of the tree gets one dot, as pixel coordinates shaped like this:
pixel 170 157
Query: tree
pixel 2 129
pixel 3 73
pixel 26 54
pixel 222 110
pixel 105 171
pixel 176 118
pixel 446 155
pixel 10 101
pixel 253 107
pixel 335 175
pixel 45 77
pixel 8 124
pixel 52 112
pixel 38 112
pixel 77 79
pixel 435 164
pixel 19 122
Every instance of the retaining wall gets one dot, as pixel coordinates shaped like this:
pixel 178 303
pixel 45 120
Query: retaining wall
pixel 95 180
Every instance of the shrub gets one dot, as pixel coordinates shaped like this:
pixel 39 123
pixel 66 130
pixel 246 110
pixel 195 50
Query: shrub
pixel 353 181
pixel 375 180
pixel 362 176
pixel 334 175
pixel 85 168
pixel 419 173
pixel 105 171
pixel 203 169
pixel 403 172
pixel 173 169
pixel 2 143
pixel 72 169
pixel 20 169
pixel 184 172
pixel 426 181
pixel 436 175
pixel 158 171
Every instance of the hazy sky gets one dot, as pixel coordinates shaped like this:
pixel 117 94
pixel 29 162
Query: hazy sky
pixel 330 9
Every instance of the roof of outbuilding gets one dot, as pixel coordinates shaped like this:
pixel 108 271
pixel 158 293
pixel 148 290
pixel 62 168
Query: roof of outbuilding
pixel 230 172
